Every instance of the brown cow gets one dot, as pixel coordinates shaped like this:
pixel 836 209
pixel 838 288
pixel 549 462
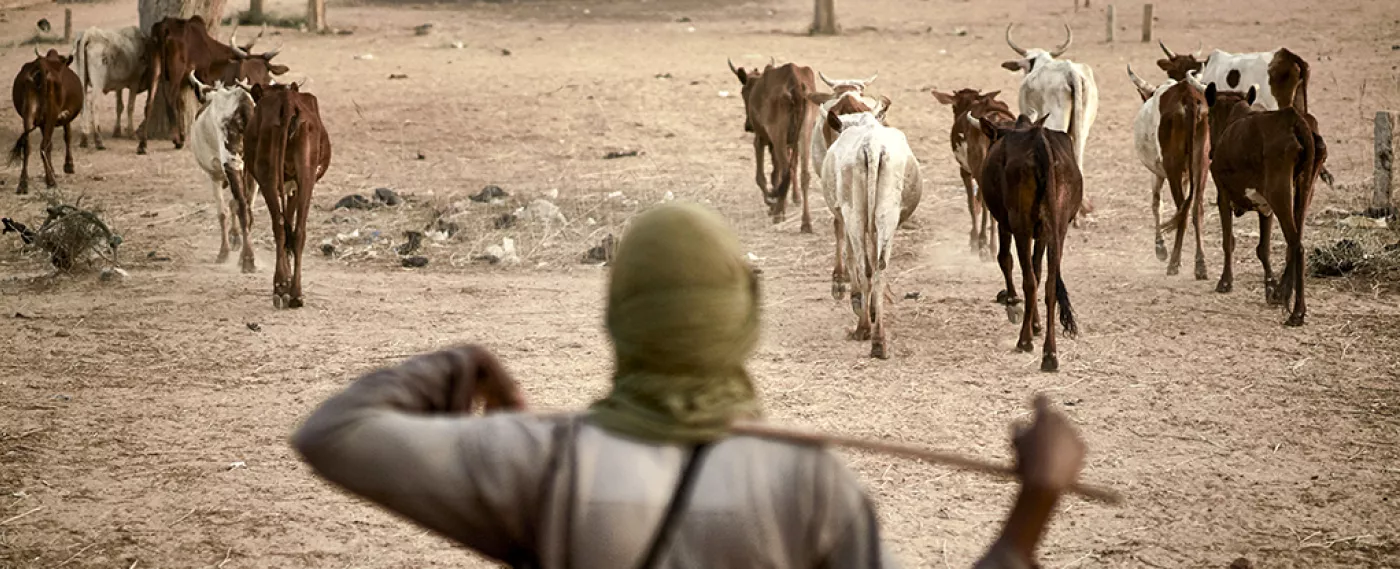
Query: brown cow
pixel 970 148
pixel 1178 66
pixel 286 151
pixel 1264 161
pixel 1172 137
pixel 1033 189
pixel 47 94
pixel 777 112
pixel 180 46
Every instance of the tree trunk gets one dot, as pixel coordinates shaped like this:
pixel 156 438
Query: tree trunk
pixel 824 21
pixel 152 11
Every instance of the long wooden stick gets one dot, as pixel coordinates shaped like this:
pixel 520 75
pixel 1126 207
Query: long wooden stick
pixel 1098 493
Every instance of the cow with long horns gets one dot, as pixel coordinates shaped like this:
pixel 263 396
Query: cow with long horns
pixel 840 88
pixel 1060 89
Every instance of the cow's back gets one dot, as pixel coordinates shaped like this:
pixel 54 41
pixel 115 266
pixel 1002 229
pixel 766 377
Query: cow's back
pixel 1248 69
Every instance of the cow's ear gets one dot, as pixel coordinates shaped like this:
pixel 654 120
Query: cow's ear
pixel 1165 64
pixel 820 98
pixel 197 19
pixel 1249 97
pixel 1014 65
pixel 1211 93
pixel 885 103
pixel 833 121
pixel 68 60
pixel 988 129
pixel 277 69
pixel 742 75
pixel 944 98
pixel 989 97
pixel 1040 123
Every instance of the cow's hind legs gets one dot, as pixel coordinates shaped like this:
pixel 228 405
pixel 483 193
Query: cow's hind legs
pixel 839 278
pixel 68 149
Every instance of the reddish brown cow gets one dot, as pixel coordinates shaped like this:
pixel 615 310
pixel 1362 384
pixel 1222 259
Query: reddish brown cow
pixel 1183 137
pixel 1265 161
pixel 970 148
pixel 1033 189
pixel 777 112
pixel 286 151
pixel 47 94
pixel 180 46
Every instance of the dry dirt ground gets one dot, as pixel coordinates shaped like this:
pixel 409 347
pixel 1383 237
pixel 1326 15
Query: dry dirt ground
pixel 123 405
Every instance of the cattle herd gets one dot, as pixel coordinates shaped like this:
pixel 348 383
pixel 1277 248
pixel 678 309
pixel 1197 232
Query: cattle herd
pixel 249 131
pixel 1241 118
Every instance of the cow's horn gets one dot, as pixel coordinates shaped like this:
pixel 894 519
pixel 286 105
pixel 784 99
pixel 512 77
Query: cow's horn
pixel 1069 39
pixel 772 61
pixel 197 85
pixel 1141 84
pixel 829 83
pixel 37 54
pixel 1169 53
pixel 1012 43
pixel 731 66
pixel 867 82
pixel 1199 48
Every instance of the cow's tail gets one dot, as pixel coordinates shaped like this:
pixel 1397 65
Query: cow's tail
pixel 877 163
pixel 1044 188
pixel 1195 166
pixel 1079 95
pixel 279 174
pixel 20 145
pixel 797 123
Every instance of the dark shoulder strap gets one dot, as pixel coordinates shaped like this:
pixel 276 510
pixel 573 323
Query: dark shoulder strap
pixel 679 499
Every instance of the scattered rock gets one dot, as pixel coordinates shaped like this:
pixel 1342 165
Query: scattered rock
pixel 62 333
pixel 415 240
pixel 683 20
pixel 448 228
pixel 152 256
pixel 621 154
pixel 911 295
pixel 365 57
pixel 668 197
pixel 387 196
pixel 422 156
pixel 416 262
pixel 114 274
pixel 488 193
pixel 422 30
pixel 959 32
pixel 254 326
pixel 236 465
pixel 398 76
pixel 542 211
pixel 663 75
pixel 458 45
pixel 23 316
pixel 724 94
pixel 505 221
pixel 354 201
pixel 603 253
pixel 1241 563
pixel 503 253
pixel 327 249
pixel 505 51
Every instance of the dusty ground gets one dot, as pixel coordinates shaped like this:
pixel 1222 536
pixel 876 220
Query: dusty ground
pixel 122 405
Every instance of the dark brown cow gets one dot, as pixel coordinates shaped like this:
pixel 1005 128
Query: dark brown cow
pixel 180 46
pixel 1178 66
pixel 47 94
pixel 1034 189
pixel 970 148
pixel 1264 161
pixel 286 151
pixel 777 112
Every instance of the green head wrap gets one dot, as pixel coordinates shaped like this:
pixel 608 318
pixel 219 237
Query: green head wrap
pixel 683 316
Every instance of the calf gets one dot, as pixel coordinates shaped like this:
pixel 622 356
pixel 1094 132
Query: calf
pixel 287 151
pixel 217 142
pixel 179 47
pixel 871 173
pixel 109 61
pixel 841 89
pixel 970 149
pixel 776 108
pixel 47 94
pixel 1264 161
pixel 1172 138
pixel 1060 89
pixel 1033 189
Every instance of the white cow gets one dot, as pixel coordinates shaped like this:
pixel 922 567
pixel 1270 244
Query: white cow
pixel 109 61
pixel 217 141
pixel 1060 88
pixel 871 182
pixel 840 88
pixel 1149 148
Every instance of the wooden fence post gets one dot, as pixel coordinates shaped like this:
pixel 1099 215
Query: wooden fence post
pixel 1146 23
pixel 1387 132
pixel 1112 23
pixel 255 12
pixel 824 18
pixel 316 15
pixel 67 25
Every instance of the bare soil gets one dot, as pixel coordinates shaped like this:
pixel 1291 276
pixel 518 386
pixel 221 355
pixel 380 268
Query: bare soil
pixel 124 406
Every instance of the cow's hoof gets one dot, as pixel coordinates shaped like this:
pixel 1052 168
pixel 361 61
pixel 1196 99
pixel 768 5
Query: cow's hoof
pixel 82 142
pixel 985 254
pixel 50 183
pixel 838 290
pixel 141 148
pixel 279 301
pixel 179 146
pixel 1036 328
pixel 1161 251
pixel 1201 271
pixel 248 267
pixel 23 187
pixel 68 168
pixel 221 258
pixel 1013 314
pixel 1049 363
pixel 859 334
pixel 806 228
pixel 1025 346
pixel 1294 320
pixel 1224 287
pixel 879 350
pixel 1004 297
pixel 1173 269
pixel 101 146
pixel 294 303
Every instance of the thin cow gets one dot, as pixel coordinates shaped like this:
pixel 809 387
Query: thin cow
pixel 872 174
pixel 776 108
pixel 1267 162
pixel 287 151
pixel 970 149
pixel 47 95
pixel 1172 139
pixel 1059 89
pixel 110 61
pixel 1033 189
pixel 217 142
pixel 179 47
pixel 840 89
